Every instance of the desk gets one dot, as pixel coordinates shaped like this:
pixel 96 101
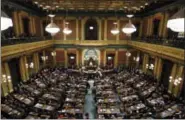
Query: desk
pixel 44 107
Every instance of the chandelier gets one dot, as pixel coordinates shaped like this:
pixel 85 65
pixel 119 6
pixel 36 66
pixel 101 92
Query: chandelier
pixel 176 23
pixel 52 28
pixel 66 30
pixel 129 27
pixel 6 22
pixel 115 30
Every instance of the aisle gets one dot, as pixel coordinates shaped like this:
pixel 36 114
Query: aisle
pixel 90 106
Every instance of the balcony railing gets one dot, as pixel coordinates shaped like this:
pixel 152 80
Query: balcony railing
pixel 13 41
pixel 178 42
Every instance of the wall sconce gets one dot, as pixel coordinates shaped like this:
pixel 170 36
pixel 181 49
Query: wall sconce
pixel 53 53
pixel 109 58
pixel 4 78
pixel 44 58
pixel 136 59
pixel 176 81
pixel 9 78
pixel 31 65
pixel 128 54
pixel 151 66
pixel 72 57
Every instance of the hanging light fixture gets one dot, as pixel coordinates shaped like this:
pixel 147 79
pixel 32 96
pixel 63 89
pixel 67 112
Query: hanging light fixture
pixel 176 23
pixel 6 21
pixel 52 28
pixel 66 30
pixel 115 30
pixel 129 27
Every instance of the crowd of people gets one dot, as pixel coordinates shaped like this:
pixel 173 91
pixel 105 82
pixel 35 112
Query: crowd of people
pixel 58 93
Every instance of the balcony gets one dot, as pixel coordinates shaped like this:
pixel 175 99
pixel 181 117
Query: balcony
pixel 171 42
pixel 22 40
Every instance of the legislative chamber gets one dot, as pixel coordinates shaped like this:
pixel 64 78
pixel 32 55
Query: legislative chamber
pixel 92 59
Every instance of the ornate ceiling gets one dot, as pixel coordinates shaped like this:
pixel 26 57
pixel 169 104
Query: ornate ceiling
pixel 95 5
pixel 90 7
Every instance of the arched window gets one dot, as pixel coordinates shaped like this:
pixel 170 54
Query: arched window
pixel 91 30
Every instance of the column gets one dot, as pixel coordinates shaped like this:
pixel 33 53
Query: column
pixel 137 62
pixel 105 29
pixel 26 68
pixel 161 25
pixel 141 28
pixel 173 75
pixel 155 66
pixel 31 24
pixel 4 81
pixel 77 29
pixel 34 29
pixel 100 28
pixel 166 16
pixel 145 61
pixel 116 59
pixel 117 36
pixel 23 68
pixel 159 69
pixel 9 78
pixel 82 29
pixel 20 23
pixel 41 27
pixel 66 58
pixel 176 90
pixel 16 23
pixel 77 57
pixel 127 61
pixel 35 61
pixel 64 22
pixel 105 57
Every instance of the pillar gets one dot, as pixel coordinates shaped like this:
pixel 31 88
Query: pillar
pixel 145 61
pixel 77 58
pixel 161 25
pixel 77 29
pixel 7 70
pixel 137 62
pixel 22 66
pixel 44 61
pixel 35 61
pixel 20 23
pixel 116 59
pixel 179 74
pixel 16 23
pixel 159 69
pixel 82 29
pixel 166 17
pixel 41 25
pixel 173 75
pixel 155 67
pixel 105 57
pixel 4 81
pixel 26 70
pixel 105 29
pixel 66 58
pixel 118 26
pixel 64 22
pixel 100 28
pixel 141 28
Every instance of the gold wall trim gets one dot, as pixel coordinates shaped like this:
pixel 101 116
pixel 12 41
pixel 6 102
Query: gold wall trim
pixel 91 42
pixel 24 48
